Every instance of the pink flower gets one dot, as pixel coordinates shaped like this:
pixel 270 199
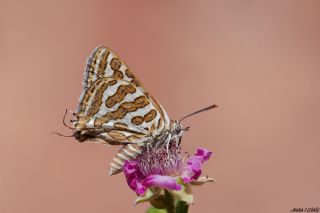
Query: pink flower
pixel 166 169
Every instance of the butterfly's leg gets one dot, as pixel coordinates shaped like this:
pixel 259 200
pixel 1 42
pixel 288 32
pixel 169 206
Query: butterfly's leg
pixel 150 143
pixel 179 136
pixel 167 143
pixel 148 147
pixel 73 113
pixel 177 140
pixel 157 145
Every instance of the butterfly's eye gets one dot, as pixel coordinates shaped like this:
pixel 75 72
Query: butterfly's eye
pixel 177 127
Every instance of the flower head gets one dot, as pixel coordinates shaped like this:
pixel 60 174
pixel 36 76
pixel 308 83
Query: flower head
pixel 169 169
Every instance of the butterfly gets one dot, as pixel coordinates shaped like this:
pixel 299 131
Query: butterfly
pixel 114 108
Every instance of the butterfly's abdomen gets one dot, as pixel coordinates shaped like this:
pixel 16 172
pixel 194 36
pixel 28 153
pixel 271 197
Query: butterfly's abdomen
pixel 127 152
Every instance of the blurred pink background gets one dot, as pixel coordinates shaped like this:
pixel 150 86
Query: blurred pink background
pixel 258 60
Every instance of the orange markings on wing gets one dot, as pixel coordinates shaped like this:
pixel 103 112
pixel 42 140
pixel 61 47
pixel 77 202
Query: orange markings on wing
pixel 150 115
pixel 115 64
pixel 137 120
pixel 117 135
pixel 123 109
pixel 121 93
pixel 103 63
pixel 92 64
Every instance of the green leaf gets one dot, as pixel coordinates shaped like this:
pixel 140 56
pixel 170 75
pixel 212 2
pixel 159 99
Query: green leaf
pixel 155 210
pixel 202 180
pixel 149 195
pixel 184 194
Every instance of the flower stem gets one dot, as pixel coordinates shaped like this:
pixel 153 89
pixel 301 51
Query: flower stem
pixel 174 206
pixel 169 200
pixel 182 207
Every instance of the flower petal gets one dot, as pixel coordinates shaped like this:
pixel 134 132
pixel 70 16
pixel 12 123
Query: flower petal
pixel 202 152
pixel 192 170
pixel 166 182
pixel 133 177
pixel 130 167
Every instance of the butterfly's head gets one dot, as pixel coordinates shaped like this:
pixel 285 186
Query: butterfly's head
pixel 176 127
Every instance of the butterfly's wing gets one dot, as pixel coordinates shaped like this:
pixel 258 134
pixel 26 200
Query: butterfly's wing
pixel 113 95
pixel 114 102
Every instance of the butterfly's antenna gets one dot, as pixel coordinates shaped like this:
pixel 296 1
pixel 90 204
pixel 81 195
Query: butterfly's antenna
pixel 64 120
pixel 201 110
pixel 58 133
